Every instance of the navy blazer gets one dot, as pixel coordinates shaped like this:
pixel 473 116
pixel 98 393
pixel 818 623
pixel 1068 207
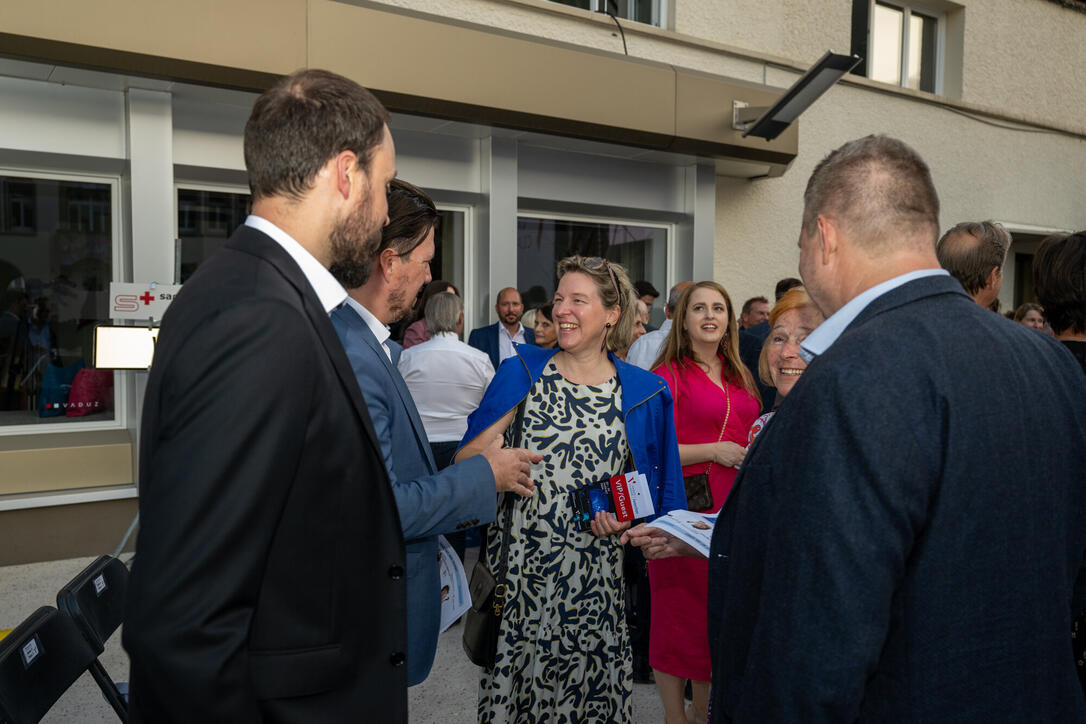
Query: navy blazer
pixel 429 502
pixel 485 339
pixel 902 540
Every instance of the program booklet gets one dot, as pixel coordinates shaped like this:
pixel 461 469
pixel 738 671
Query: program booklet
pixel 695 529
pixel 626 496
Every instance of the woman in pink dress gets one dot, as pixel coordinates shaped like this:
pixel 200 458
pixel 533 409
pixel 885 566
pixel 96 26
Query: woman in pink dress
pixel 715 403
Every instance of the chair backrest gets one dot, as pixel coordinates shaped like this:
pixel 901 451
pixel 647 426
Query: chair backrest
pixel 39 660
pixel 95 600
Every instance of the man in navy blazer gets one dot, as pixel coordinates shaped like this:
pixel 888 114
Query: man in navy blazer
pixel 497 339
pixel 429 502
pixel 890 552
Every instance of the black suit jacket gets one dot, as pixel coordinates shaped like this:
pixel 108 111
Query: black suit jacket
pixel 268 582
pixel 903 537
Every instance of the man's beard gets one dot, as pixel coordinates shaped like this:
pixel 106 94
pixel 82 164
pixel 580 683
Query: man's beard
pixel 355 242
pixel 398 306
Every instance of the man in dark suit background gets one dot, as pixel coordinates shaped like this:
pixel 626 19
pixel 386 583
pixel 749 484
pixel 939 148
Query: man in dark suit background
pixel 460 496
pixel 888 554
pixel 268 582
pixel 497 339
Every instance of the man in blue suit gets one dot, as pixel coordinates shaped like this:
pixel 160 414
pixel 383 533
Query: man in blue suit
pixel 382 290
pixel 497 339
pixel 888 552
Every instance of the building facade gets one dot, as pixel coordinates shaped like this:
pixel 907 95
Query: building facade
pixel 541 128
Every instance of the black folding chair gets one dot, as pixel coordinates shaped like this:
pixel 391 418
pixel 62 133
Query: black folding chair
pixel 39 661
pixel 94 600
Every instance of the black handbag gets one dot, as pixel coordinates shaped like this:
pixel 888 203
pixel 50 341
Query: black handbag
pixel 483 619
pixel 699 495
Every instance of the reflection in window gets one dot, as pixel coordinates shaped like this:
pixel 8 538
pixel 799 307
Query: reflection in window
pixel 541 243
pixel 56 263
pixel 205 221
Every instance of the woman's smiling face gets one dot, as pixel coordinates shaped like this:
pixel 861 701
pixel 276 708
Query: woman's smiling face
pixel 785 364
pixel 706 318
pixel 579 313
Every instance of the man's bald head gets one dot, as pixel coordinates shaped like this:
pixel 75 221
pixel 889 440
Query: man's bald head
pixel 878 190
pixel 974 252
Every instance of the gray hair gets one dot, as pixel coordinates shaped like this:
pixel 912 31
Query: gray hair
pixel 673 297
pixel 443 313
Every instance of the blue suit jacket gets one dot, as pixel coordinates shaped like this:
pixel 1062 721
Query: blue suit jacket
pixel 646 412
pixel 459 497
pixel 485 339
pixel 903 537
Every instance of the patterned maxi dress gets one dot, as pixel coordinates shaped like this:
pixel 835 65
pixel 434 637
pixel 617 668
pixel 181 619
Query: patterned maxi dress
pixel 563 651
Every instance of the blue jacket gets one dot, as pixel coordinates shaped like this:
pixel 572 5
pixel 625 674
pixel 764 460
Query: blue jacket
pixel 646 410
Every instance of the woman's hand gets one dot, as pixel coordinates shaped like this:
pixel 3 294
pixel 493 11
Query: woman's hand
pixel 729 453
pixel 606 524
pixel 655 543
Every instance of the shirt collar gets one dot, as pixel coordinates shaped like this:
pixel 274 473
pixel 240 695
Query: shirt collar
pixel 329 291
pixel 818 341
pixel 446 335
pixel 520 330
pixel 380 331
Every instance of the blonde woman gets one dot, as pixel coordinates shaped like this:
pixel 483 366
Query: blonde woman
pixel 563 651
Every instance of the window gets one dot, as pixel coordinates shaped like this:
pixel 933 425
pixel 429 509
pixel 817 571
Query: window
pixel 542 242
pixel 205 220
pixel 56 263
pixel 650 12
pixel 899 44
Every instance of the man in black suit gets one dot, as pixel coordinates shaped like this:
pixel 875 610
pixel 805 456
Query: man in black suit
pixel 887 554
pixel 269 577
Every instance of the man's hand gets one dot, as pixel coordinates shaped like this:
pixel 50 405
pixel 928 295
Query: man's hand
pixel 606 524
pixel 512 467
pixel 655 543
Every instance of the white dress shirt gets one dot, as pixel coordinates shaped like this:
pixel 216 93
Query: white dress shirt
pixel 330 292
pixel 648 346
pixel 380 331
pixel 447 379
pixel 505 342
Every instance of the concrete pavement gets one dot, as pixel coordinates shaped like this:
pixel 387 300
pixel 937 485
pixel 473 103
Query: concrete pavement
pixel 448 696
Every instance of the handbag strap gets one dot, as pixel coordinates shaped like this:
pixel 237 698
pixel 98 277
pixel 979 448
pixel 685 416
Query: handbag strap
pixel 507 517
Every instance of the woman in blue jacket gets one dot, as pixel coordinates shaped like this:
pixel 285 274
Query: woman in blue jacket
pixel 563 650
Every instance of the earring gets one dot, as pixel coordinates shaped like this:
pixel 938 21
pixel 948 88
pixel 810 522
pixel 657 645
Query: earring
pixel 608 325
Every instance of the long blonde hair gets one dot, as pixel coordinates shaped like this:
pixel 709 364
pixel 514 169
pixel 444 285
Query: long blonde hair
pixel 678 349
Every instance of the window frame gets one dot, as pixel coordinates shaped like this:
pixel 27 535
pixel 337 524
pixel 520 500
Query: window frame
pixel 118 268
pixel 907 9
pixel 182 185
pixel 659 11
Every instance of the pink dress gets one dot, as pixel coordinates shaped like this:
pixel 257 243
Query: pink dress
pixel 679 587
